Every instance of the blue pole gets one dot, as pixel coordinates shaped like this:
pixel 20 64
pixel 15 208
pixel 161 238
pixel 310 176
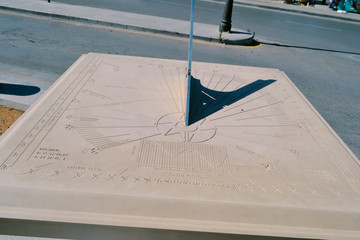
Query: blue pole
pixel 191 36
pixel 187 111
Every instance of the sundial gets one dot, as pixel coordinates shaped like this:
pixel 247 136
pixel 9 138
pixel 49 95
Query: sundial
pixel 141 142
pixel 107 144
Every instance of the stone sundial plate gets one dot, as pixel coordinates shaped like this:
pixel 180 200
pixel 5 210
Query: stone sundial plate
pixel 107 145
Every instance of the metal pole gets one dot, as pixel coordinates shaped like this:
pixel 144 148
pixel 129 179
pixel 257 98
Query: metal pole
pixel 225 25
pixel 187 110
pixel 191 36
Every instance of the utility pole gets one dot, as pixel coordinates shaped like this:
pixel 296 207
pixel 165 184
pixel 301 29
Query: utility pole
pixel 225 25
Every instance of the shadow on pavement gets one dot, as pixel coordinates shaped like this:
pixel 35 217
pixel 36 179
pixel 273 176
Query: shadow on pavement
pixel 18 89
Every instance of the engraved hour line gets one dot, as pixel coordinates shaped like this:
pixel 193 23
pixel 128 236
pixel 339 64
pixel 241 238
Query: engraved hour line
pixel 191 137
pixel 228 109
pixel 134 88
pixel 212 129
pixel 222 76
pixel 237 87
pixel 166 134
pixel 213 88
pixel 202 121
pixel 96 137
pixel 181 90
pixel 118 135
pixel 215 97
pixel 274 125
pixel 99 117
pixel 137 115
pixel 238 97
pixel 98 95
pixel 167 84
pixel 91 71
pixel 252 109
pixel 245 140
pixel 203 77
pixel 287 135
pixel 357 162
pixel 182 116
pixel 161 123
pixel 118 103
pixel 163 92
pixel 207 86
pixel 116 127
pixel 213 74
pixel 42 120
pixel 118 143
pixel 264 116
pixel 175 90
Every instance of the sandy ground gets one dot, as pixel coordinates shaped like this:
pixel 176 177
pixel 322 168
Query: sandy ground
pixel 7 117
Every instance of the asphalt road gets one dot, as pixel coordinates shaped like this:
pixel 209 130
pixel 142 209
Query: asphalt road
pixel 270 25
pixel 321 61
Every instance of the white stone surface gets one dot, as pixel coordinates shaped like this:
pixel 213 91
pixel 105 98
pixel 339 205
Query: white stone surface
pixel 106 145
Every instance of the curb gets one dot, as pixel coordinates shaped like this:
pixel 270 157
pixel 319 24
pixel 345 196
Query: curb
pixel 246 41
pixel 85 20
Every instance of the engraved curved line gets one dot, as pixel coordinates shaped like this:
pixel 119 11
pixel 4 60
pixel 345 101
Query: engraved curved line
pixel 158 121
pixel 223 161
pixel 215 130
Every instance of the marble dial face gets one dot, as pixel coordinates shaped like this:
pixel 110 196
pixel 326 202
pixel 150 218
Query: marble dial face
pixel 116 125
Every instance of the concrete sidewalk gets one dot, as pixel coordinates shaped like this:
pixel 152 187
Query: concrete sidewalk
pixel 127 20
pixel 318 10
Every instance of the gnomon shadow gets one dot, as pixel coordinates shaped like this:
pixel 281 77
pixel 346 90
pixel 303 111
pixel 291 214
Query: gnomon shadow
pixel 204 101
